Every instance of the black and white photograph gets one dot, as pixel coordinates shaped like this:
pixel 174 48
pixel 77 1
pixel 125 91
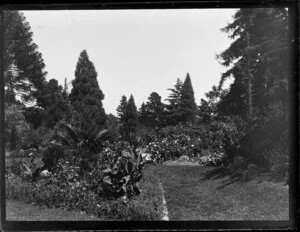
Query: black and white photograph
pixel 147 114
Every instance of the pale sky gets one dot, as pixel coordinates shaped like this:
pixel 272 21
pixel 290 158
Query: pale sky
pixel 134 51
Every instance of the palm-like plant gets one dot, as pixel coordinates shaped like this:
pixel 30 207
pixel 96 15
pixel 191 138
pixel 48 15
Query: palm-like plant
pixel 85 141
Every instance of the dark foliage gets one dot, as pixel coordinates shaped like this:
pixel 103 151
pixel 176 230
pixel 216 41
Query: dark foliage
pixel 187 103
pixel 34 115
pixel 86 96
pixel 151 114
pixel 23 65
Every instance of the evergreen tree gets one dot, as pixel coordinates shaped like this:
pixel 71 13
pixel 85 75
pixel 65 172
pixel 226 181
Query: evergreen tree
pixel 154 109
pixel 24 73
pixel 131 119
pixel 143 115
pixel 188 106
pixel 121 111
pixel 211 108
pixel 121 108
pixel 55 104
pixel 257 58
pixel 173 112
pixel 86 96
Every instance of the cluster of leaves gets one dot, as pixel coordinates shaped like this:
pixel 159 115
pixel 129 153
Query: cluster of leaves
pixel 122 174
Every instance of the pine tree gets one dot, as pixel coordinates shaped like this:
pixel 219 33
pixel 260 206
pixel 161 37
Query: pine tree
pixel 24 73
pixel 173 113
pixel 86 96
pixel 188 106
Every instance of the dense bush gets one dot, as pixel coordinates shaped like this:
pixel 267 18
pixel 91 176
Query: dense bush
pixel 209 143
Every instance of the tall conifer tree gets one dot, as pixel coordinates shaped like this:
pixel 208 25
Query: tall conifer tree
pixel 86 96
pixel 173 113
pixel 188 105
pixel 131 119
pixel 121 112
pixel 24 73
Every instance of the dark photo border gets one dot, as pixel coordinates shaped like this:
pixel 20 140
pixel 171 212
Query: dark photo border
pixel 292 223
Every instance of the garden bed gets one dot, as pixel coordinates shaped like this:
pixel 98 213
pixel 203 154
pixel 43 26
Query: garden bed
pixel 146 206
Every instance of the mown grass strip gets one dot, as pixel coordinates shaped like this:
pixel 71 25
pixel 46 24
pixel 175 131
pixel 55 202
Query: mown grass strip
pixel 165 214
pixel 204 193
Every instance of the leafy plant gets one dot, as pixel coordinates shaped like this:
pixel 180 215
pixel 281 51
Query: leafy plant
pixel 122 175
pixel 85 142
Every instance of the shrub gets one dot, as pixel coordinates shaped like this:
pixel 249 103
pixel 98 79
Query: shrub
pixel 212 143
pixel 121 176
pixel 211 158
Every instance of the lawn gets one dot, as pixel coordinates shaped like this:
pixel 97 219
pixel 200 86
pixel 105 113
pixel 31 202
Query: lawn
pixel 206 193
pixel 19 211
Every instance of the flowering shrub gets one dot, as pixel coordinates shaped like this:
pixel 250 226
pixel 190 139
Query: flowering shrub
pixel 211 158
pixel 211 142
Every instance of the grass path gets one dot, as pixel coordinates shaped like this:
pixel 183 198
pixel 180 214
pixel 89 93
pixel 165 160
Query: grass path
pixel 203 193
pixel 19 211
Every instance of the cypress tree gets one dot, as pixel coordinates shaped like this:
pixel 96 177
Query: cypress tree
pixel 188 105
pixel 86 96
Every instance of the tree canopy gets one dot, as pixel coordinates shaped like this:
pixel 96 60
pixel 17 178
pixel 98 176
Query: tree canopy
pixel 24 73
